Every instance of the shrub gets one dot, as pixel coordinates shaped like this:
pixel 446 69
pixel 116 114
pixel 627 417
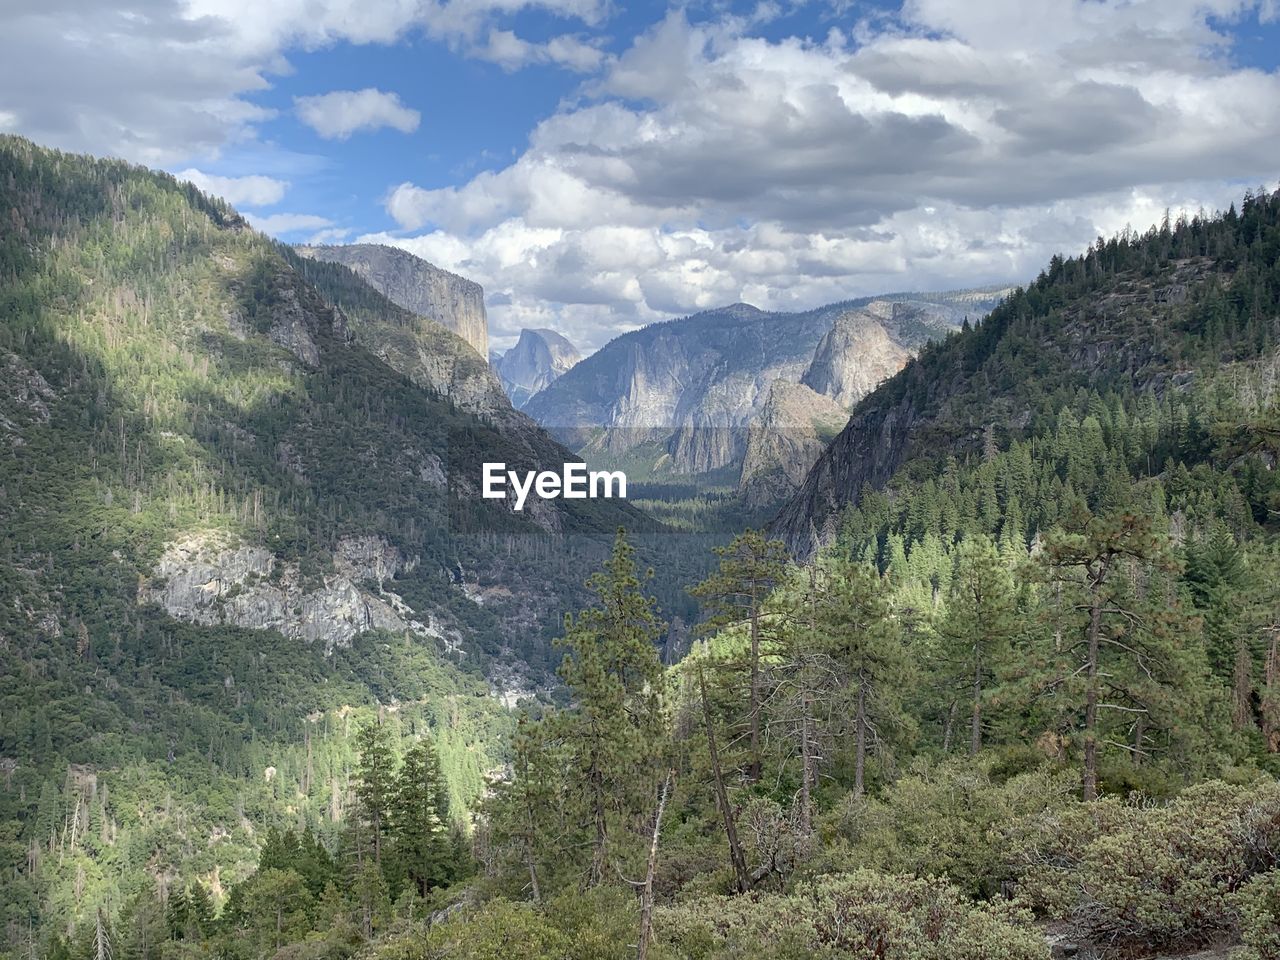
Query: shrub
pixel 1258 903
pixel 1150 874
pixel 852 917
pixel 942 820
pixel 499 930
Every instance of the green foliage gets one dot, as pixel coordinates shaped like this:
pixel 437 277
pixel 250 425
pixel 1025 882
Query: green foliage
pixel 860 916
pixel 614 731
pixel 1258 903
pixel 943 820
pixel 421 850
pixel 1150 874
pixel 981 621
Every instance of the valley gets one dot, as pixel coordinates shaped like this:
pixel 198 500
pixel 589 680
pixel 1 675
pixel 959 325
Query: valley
pixel 935 622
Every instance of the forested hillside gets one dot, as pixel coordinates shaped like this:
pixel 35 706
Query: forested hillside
pixel 228 537
pixel 1142 359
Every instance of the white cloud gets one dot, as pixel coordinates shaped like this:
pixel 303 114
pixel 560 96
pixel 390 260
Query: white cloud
pixel 329 235
pixel 168 82
pixel 953 145
pixel 337 115
pixel 250 191
pixel 283 224
pixel 512 53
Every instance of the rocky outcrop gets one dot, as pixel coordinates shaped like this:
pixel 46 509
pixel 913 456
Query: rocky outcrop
pixel 853 358
pixel 866 453
pixel 421 287
pixel 25 396
pixel 786 440
pixel 538 359
pixel 292 327
pixel 209 578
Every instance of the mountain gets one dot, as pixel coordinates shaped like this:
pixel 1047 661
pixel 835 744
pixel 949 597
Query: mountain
pixel 681 396
pixel 239 517
pixel 785 439
pixel 1153 328
pixel 853 357
pixel 538 358
pixel 416 285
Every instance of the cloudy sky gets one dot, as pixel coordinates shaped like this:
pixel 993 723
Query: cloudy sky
pixel 598 165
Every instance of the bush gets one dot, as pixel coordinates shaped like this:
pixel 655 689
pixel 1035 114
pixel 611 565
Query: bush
pixel 596 925
pixel 1258 903
pixel 1146 874
pixel 942 820
pixel 852 917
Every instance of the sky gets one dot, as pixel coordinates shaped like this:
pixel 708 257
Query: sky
pixel 600 165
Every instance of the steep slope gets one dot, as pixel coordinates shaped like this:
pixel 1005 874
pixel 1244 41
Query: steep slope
pixel 420 287
pixel 235 521
pixel 683 393
pixel 539 358
pixel 785 440
pixel 1182 320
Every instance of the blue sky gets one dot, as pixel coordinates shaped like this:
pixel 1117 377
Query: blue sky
pixel 599 165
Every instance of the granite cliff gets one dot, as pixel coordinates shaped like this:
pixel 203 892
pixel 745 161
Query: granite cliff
pixel 685 396
pixel 538 359
pixel 421 287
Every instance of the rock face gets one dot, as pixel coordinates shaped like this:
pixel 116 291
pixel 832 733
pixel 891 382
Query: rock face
pixel 411 282
pixel 24 398
pixel 691 386
pixel 538 358
pixel 854 356
pixel 685 394
pixel 794 426
pixel 210 579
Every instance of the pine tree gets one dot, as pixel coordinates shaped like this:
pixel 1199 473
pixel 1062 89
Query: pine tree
pixel 419 814
pixel 614 730
pixel 374 781
pixel 750 567
pixel 276 907
pixel 526 813
pixel 866 642
pixel 1123 652
pixel 981 619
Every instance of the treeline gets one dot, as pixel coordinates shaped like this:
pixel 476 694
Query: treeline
pixel 860 759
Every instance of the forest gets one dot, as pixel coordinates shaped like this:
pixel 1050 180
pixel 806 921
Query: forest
pixel 1024 692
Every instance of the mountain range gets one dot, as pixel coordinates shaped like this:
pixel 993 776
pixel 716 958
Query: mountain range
pixel 697 395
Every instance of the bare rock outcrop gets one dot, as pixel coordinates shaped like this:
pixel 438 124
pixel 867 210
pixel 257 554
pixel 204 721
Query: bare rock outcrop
pixel 853 358
pixel 539 358
pixel 786 440
pixel 25 396
pixel 209 578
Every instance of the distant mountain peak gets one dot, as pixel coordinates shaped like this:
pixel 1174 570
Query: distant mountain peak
pixel 539 357
pixel 738 310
